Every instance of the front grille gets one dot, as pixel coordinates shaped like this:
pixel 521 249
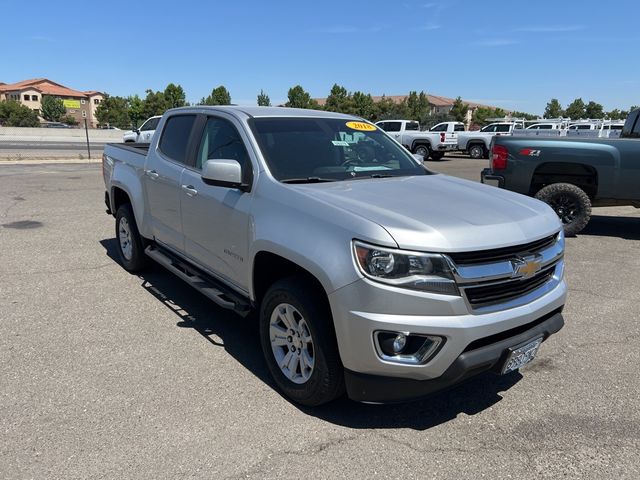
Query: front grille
pixel 483 296
pixel 498 254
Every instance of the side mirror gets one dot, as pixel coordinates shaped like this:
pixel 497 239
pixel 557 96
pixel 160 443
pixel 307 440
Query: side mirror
pixel 418 157
pixel 137 130
pixel 223 173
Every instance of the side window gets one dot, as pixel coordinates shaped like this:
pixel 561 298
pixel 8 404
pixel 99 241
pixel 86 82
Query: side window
pixel 636 129
pixel 413 126
pixel 393 127
pixel 221 140
pixel 150 125
pixel 382 126
pixel 502 128
pixel 458 128
pixel 439 128
pixel 175 137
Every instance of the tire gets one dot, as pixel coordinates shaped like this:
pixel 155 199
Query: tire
pixel 130 243
pixel 292 302
pixel 477 151
pixel 437 156
pixel 571 204
pixel 423 150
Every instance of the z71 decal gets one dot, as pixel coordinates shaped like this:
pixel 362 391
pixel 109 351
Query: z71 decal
pixel 529 152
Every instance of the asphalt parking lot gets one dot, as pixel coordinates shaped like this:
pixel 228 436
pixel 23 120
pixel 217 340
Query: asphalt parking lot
pixel 104 374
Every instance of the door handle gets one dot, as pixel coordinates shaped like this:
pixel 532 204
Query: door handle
pixel 189 190
pixel 152 174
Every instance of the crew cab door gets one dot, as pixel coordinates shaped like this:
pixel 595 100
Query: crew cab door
pixel 215 220
pixel 162 180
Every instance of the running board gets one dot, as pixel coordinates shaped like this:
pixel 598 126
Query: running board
pixel 209 287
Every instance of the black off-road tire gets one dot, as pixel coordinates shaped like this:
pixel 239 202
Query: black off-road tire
pixel 571 204
pixel 326 382
pixel 135 260
pixel 437 156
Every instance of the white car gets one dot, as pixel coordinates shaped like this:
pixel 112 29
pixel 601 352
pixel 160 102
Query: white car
pixel 144 134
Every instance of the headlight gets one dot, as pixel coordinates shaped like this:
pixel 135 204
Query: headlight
pixel 428 272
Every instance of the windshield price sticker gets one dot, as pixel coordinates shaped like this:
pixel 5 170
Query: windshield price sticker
pixel 363 127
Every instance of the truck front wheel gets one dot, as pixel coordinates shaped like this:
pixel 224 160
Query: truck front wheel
pixel 571 204
pixel 299 344
pixel 130 244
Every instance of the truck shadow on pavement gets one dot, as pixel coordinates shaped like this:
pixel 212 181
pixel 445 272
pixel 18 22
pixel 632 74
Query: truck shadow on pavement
pixel 613 226
pixel 239 337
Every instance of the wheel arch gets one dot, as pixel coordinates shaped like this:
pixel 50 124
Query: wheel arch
pixel 579 174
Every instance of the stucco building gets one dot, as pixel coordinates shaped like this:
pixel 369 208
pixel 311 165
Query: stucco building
pixel 79 105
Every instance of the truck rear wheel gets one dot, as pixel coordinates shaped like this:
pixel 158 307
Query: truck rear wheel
pixel 571 204
pixel 437 156
pixel 477 151
pixel 130 244
pixel 299 344
pixel 423 150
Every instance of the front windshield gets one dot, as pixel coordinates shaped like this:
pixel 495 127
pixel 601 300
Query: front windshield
pixel 330 149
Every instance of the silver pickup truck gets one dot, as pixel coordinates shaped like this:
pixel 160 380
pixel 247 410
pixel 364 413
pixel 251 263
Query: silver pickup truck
pixel 369 273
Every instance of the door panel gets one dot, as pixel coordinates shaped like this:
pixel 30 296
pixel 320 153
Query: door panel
pixel 162 181
pixel 215 220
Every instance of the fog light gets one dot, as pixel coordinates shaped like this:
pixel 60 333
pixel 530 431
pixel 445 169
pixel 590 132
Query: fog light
pixel 399 342
pixel 405 347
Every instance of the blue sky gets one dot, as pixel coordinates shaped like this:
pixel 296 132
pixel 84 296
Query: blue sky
pixel 514 54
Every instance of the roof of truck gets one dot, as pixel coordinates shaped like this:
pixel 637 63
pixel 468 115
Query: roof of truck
pixel 254 111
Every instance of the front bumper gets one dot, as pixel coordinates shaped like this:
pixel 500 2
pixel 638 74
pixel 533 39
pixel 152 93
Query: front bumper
pixel 489 178
pixel 481 356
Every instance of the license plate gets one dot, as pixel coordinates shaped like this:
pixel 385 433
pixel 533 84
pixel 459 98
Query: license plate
pixel 520 356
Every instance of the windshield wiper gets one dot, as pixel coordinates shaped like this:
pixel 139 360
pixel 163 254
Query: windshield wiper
pixel 308 180
pixel 375 175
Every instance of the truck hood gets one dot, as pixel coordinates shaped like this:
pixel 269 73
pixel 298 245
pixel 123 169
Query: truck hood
pixel 441 213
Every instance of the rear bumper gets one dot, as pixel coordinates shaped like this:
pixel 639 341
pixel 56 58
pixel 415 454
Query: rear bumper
pixel 489 178
pixel 479 357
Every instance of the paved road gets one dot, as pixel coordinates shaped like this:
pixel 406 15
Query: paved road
pixel 104 374
pixel 30 145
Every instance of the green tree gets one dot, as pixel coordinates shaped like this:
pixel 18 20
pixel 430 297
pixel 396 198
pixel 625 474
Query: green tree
pixel 553 109
pixel 526 116
pixel 594 110
pixel 338 100
pixel 154 104
pixel 263 99
pixel 299 98
pixel 435 118
pixel 383 109
pixel 418 105
pixel 363 105
pixel 14 114
pixel 481 114
pixel 136 110
pixel 219 96
pixel 459 110
pixel 69 120
pixel 113 110
pixel 174 96
pixel 576 109
pixel 52 108
pixel 614 114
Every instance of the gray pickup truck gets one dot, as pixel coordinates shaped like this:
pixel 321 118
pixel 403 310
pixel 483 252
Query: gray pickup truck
pixel 571 174
pixel 368 272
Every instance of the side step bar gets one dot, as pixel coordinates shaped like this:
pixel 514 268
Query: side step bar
pixel 209 287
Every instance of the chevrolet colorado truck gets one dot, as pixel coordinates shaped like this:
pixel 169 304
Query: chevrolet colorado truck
pixel 369 273
pixel 571 174
pixel 432 144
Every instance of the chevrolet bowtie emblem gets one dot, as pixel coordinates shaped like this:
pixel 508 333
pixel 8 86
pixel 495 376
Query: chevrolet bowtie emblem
pixel 526 267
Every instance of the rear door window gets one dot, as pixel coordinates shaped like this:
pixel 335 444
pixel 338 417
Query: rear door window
pixel 175 137
pixel 503 128
pixel 440 128
pixel 393 127
pixel 413 126
pixel 458 128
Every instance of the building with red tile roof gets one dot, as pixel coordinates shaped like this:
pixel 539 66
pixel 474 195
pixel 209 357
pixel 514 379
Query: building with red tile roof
pixel 79 105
